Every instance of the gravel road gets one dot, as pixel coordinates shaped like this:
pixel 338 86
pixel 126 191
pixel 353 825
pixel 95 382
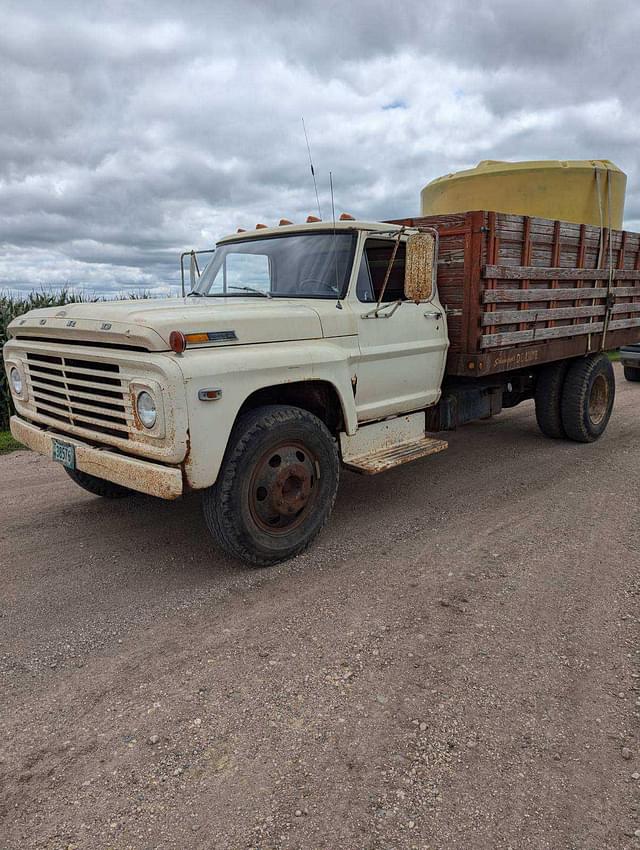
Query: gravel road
pixel 454 665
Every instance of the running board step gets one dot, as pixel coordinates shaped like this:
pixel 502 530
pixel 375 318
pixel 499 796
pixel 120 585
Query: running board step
pixel 387 458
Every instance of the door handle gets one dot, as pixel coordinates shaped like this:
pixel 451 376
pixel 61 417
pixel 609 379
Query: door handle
pixel 435 315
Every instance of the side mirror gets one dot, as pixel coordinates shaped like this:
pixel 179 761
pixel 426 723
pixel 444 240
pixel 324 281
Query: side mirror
pixel 420 267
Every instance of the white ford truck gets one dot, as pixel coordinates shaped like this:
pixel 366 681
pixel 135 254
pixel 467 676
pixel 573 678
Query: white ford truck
pixel 301 348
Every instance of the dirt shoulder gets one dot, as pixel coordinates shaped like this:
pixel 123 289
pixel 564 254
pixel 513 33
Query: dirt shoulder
pixel 453 665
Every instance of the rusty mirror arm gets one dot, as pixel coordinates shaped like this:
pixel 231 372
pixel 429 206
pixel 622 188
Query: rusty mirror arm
pixel 392 260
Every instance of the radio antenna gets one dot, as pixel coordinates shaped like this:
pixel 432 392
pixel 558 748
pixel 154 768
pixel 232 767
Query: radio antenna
pixel 313 173
pixel 335 252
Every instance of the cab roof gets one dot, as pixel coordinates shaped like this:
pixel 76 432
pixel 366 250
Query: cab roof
pixel 309 227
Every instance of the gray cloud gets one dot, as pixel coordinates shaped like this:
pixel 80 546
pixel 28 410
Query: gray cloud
pixel 131 131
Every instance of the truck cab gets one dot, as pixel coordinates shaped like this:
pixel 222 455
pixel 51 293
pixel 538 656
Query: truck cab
pixel 352 277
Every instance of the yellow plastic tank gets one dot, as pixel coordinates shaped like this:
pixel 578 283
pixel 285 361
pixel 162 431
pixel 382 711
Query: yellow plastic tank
pixel 577 190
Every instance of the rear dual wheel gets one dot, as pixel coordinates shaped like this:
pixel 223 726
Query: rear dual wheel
pixel 277 485
pixel 588 393
pixel 575 399
pixel 548 397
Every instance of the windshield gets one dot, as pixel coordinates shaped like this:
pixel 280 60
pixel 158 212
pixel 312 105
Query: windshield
pixel 303 265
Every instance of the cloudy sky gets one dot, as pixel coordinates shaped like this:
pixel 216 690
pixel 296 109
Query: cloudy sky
pixel 130 131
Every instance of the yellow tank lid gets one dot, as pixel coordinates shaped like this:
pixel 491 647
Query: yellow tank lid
pixel 570 190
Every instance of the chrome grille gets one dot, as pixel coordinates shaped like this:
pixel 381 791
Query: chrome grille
pixel 88 394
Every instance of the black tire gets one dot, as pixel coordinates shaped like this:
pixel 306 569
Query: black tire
pixel 548 395
pixel 631 373
pixel 98 486
pixel 587 397
pixel 277 485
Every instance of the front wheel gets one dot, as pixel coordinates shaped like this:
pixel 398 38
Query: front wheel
pixel 277 485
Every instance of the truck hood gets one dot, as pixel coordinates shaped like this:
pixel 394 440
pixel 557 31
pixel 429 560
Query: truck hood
pixel 147 323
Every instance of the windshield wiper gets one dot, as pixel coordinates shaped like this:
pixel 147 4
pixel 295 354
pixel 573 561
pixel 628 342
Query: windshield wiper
pixel 194 294
pixel 251 289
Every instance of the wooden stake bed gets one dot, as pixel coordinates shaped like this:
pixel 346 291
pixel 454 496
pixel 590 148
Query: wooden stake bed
pixel 521 291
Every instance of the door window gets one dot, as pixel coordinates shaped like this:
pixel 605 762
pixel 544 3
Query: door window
pixel 373 268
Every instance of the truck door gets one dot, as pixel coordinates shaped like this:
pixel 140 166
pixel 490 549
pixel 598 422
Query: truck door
pixel 403 350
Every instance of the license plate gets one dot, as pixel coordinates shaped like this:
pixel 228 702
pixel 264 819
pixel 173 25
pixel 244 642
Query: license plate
pixel 64 453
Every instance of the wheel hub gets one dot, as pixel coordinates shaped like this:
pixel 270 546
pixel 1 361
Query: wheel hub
pixel 598 399
pixel 282 487
pixel 291 490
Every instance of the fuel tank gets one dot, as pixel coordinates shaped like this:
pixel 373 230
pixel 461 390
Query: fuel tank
pixel 582 191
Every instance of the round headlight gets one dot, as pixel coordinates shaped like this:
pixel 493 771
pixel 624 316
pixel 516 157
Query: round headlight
pixel 147 410
pixel 16 381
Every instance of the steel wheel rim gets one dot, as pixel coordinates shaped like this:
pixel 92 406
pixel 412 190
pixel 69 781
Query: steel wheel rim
pixel 598 399
pixel 283 487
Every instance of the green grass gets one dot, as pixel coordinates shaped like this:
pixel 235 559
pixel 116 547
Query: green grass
pixel 8 444
pixel 614 356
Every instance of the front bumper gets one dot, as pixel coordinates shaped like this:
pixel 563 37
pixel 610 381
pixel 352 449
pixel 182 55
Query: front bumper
pixel 154 479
